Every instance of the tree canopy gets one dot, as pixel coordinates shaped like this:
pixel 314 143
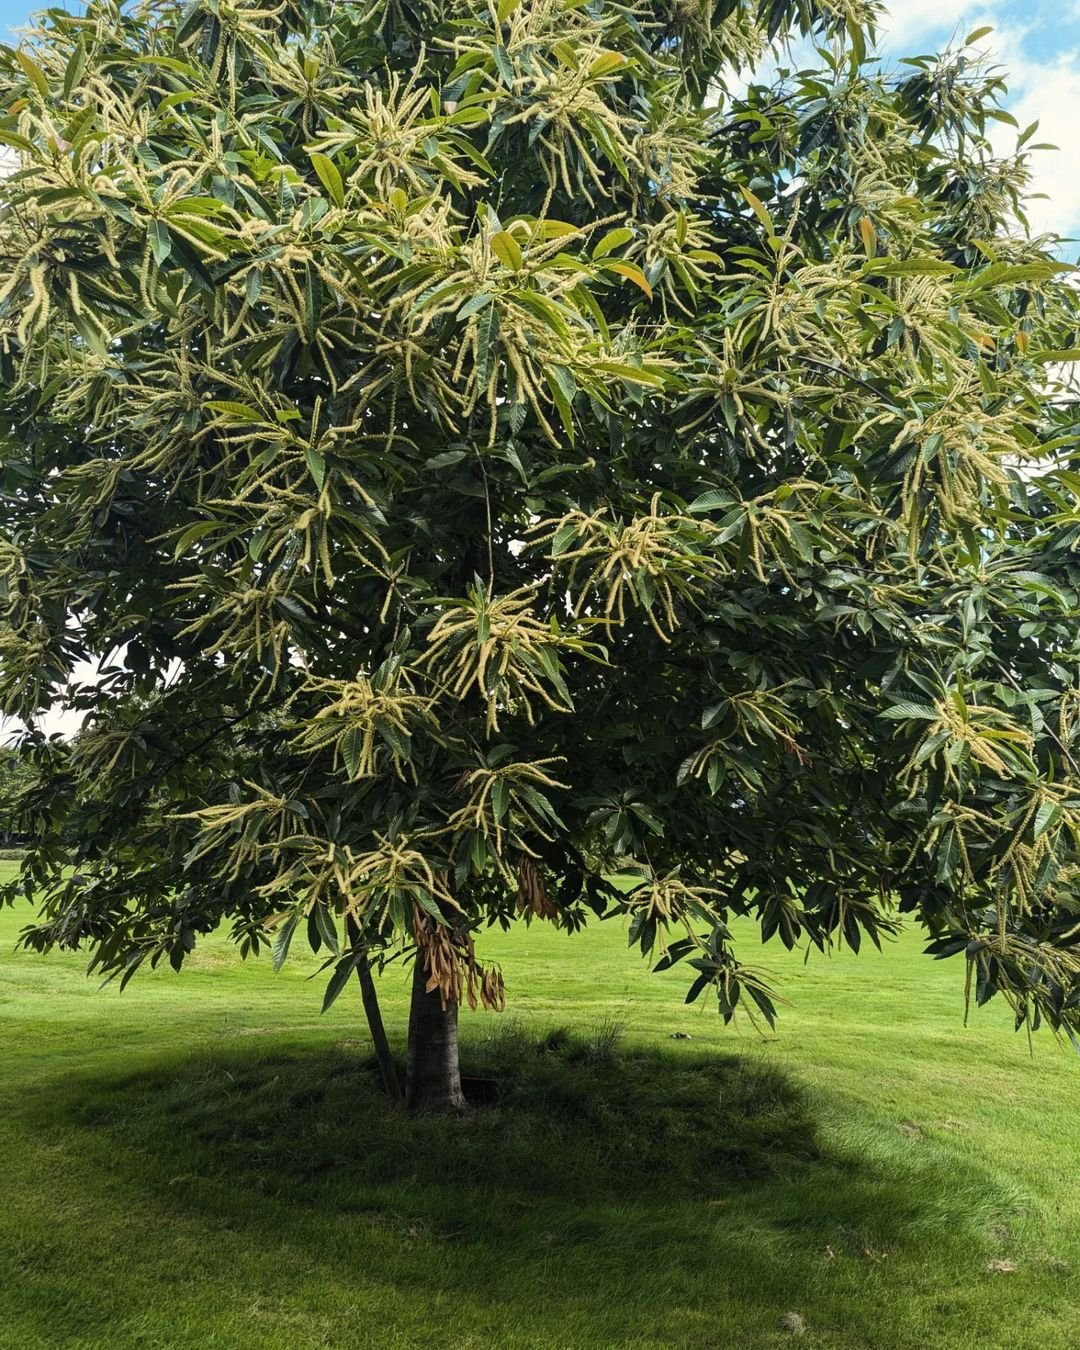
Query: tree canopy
pixel 491 448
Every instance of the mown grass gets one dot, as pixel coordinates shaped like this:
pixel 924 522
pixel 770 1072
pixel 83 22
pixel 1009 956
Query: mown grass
pixel 204 1161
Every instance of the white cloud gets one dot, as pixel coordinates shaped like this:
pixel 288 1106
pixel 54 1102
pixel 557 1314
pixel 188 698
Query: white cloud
pixel 1043 90
pixel 1049 94
pixel 909 24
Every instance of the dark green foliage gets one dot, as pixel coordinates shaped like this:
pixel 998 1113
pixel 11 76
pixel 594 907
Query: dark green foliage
pixel 16 775
pixel 480 464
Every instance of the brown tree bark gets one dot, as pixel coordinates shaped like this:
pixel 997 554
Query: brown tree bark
pixel 432 1075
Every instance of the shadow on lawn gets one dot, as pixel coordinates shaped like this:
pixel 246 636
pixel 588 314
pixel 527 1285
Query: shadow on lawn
pixel 599 1167
pixel 577 1120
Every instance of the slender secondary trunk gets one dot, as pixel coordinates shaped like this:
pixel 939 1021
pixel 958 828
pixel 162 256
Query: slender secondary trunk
pixel 385 1059
pixel 432 1077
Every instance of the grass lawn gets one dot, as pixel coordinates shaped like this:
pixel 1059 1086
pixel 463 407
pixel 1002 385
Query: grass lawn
pixel 203 1161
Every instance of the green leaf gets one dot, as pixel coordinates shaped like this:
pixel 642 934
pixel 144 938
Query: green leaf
pixel 446 459
pixel 1060 356
pixel 632 273
pixel 313 292
pixel 503 64
pixel 193 534
pixel 326 926
pixel 908 711
pixel 15 141
pixel 633 374
pixel 160 241
pixel 908 267
pixel 605 63
pixel 316 466
pixel 565 380
pixel 329 176
pixel 33 73
pixel 283 941
pixel 487 333
pixel 340 978
pixel 555 229
pixel 562 403
pixel 193 265
pixel 239 412
pixel 1027 134
pixel 1049 813
pixel 564 539
pixel 474 305
pixel 478 852
pixel 351 745
pixel 427 903
pixel 612 240
pixel 506 249
pixel 713 500
pixel 701 983
pixel 758 207
pixel 73 72
pixel 190 21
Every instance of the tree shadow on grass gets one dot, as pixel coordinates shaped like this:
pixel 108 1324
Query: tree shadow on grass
pixel 632 1180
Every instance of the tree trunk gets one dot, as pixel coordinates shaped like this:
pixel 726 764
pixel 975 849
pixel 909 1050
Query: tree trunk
pixel 432 1077
pixel 385 1059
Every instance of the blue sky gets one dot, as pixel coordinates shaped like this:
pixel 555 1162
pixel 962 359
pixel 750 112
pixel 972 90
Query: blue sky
pixel 1037 41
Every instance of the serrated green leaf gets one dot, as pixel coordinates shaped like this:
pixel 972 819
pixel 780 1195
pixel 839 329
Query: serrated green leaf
pixel 283 941
pixel 239 412
pixel 909 711
pixel 73 71
pixel 632 273
pixel 713 500
pixel 327 927
pixel 474 305
pixel 33 73
pixel 340 978
pixel 500 799
pixel 908 267
pixel 446 459
pixel 507 250
pixel 1049 813
pixel 316 466
pixel 487 332
pixel 605 63
pixel 329 176
pixel 759 209
pixel 193 534
pixel 313 291
pixel 351 745
pixel 160 241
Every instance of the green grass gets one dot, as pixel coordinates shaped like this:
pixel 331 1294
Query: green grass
pixel 203 1161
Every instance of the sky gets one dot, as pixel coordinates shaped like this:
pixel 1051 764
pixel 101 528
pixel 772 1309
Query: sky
pixel 1037 45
